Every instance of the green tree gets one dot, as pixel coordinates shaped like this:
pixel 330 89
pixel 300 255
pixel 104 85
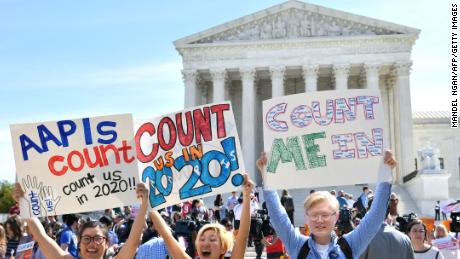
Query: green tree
pixel 6 200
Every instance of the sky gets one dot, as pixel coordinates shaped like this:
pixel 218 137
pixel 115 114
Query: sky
pixel 74 59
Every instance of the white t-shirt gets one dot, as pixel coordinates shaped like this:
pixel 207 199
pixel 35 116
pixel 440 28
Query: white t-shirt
pixel 237 211
pixel 322 250
pixel 430 253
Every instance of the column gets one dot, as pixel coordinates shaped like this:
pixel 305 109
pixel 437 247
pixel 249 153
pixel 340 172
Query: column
pixel 391 117
pixel 404 117
pixel 248 116
pixel 372 75
pixel 190 76
pixel 340 72
pixel 277 76
pixel 310 75
pixel 218 84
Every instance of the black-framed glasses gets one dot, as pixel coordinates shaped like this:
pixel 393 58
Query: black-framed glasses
pixel 97 239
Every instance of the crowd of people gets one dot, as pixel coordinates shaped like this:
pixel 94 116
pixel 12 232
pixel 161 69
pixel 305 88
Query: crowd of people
pixel 336 227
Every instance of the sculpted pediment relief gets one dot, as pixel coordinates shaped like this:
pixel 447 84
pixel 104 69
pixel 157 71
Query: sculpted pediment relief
pixel 294 24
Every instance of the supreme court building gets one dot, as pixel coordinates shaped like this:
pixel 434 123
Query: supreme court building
pixel 296 47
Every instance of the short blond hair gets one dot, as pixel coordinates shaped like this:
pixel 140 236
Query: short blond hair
pixel 319 197
pixel 226 238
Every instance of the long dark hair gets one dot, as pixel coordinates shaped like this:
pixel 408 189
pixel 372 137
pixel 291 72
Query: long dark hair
pixel 15 224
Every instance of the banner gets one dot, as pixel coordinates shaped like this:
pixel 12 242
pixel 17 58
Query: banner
pixel 78 165
pixel 190 154
pixel 323 138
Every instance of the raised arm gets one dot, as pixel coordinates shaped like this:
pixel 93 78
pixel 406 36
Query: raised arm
pixel 129 248
pixel 360 238
pixel 174 248
pixel 48 246
pixel 245 221
pixel 278 217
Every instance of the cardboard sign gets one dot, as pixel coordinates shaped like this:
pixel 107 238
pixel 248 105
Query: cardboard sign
pixel 78 165
pixel 445 243
pixel 190 154
pixel 323 138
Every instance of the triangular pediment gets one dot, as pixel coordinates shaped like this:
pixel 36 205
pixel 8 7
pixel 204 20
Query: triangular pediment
pixel 294 20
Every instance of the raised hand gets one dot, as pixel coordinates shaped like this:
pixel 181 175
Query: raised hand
pixel 384 173
pixel 48 202
pixel 142 192
pixel 389 159
pixel 32 189
pixel 248 185
pixel 261 164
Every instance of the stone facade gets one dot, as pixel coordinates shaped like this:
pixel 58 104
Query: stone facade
pixel 295 47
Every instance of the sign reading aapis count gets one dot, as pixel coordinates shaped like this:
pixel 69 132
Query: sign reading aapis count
pixel 190 154
pixel 75 165
pixel 323 138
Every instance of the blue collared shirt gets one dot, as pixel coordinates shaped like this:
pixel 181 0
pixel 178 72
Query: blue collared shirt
pixel 358 239
pixel 154 248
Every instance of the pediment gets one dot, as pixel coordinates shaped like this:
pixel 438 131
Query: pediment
pixel 294 20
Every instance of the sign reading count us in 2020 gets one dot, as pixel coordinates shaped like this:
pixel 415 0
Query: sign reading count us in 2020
pixel 323 138
pixel 77 165
pixel 190 154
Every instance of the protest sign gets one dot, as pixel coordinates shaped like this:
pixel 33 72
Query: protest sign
pixel 25 248
pixel 445 243
pixel 323 138
pixel 190 154
pixel 78 165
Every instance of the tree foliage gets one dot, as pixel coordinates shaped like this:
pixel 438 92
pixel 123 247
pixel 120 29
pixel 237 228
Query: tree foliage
pixel 6 200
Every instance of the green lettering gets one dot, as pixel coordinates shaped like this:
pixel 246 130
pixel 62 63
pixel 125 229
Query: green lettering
pixel 312 149
pixel 286 153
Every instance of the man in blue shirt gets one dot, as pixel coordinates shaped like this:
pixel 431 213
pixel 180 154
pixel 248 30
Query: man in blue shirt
pixel 68 238
pixel 154 248
pixel 321 213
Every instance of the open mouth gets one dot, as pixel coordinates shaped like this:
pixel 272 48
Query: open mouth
pixel 206 254
pixel 91 251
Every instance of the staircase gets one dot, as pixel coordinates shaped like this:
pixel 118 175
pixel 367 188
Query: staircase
pixel 251 253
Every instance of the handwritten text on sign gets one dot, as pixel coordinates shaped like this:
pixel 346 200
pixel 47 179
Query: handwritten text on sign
pixel 79 165
pixel 325 138
pixel 190 154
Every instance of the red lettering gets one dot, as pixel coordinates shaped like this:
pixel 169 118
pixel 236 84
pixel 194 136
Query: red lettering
pixel 71 164
pixel 185 139
pixel 202 121
pixel 106 148
pixel 219 111
pixel 97 154
pixel 150 129
pixel 172 134
pixel 51 165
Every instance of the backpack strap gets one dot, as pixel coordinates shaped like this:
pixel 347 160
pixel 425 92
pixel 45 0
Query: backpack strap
pixel 304 250
pixel 345 247
pixel 342 242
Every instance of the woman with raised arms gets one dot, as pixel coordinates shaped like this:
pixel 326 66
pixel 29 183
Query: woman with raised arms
pixel 93 239
pixel 212 241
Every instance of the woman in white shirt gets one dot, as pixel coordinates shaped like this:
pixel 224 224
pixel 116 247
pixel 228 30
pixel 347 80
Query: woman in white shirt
pixel 417 233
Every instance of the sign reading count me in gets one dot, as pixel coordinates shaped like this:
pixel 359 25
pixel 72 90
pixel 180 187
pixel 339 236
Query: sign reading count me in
pixel 78 165
pixel 323 138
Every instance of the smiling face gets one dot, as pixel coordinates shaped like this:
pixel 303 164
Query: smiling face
pixel 209 245
pixel 321 218
pixel 93 243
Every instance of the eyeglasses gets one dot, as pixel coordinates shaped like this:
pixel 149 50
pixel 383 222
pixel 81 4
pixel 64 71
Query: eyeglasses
pixel 97 239
pixel 316 217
